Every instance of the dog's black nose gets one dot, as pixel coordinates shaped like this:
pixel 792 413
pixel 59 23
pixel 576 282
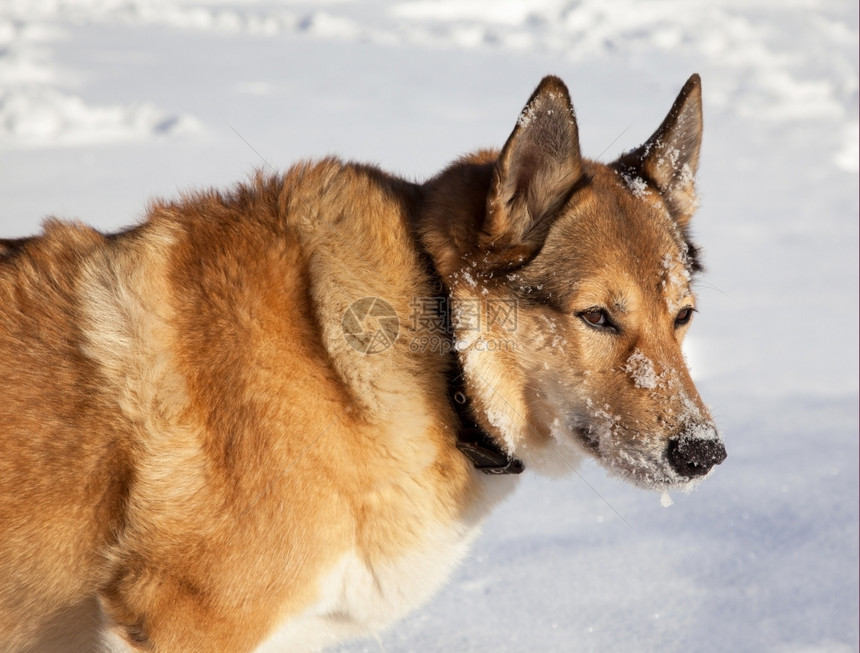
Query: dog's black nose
pixel 692 457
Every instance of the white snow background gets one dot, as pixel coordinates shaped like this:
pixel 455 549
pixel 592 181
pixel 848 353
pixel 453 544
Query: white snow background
pixel 105 103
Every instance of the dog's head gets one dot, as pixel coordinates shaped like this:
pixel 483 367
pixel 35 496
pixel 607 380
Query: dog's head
pixel 582 274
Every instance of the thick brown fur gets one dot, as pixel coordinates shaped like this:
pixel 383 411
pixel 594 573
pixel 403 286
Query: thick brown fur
pixel 192 453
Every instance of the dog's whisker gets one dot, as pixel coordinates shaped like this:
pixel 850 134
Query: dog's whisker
pixel 261 157
pixel 378 639
pixel 623 131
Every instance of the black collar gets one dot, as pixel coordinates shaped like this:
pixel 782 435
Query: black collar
pixel 475 443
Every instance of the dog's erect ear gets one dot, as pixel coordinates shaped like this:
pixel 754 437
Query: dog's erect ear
pixel 669 158
pixel 536 170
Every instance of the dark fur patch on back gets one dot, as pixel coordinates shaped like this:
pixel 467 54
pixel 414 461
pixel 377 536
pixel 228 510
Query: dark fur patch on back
pixel 10 247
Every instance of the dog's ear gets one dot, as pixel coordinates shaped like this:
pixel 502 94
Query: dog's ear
pixel 535 172
pixel 670 158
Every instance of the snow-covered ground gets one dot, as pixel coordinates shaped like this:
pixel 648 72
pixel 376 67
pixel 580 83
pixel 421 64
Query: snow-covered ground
pixel 105 103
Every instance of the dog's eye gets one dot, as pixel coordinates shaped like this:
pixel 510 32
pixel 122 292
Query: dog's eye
pixel 684 316
pixel 597 317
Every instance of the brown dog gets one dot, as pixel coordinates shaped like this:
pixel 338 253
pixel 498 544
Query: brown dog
pixel 287 408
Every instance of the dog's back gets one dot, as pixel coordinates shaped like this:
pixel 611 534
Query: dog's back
pixel 172 389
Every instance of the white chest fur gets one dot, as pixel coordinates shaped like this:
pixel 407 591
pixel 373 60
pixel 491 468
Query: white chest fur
pixel 358 597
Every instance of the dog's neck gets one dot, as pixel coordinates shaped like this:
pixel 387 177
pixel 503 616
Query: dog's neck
pixel 475 443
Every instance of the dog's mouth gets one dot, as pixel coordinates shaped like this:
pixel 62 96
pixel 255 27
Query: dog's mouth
pixel 588 439
pixel 671 456
pixel 679 461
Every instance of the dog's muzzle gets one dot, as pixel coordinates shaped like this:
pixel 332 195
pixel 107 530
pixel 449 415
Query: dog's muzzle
pixel 695 452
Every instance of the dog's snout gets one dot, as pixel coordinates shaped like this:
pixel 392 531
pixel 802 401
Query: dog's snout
pixel 695 456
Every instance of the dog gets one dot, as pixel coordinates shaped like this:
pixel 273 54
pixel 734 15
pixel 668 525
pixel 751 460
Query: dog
pixel 280 413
